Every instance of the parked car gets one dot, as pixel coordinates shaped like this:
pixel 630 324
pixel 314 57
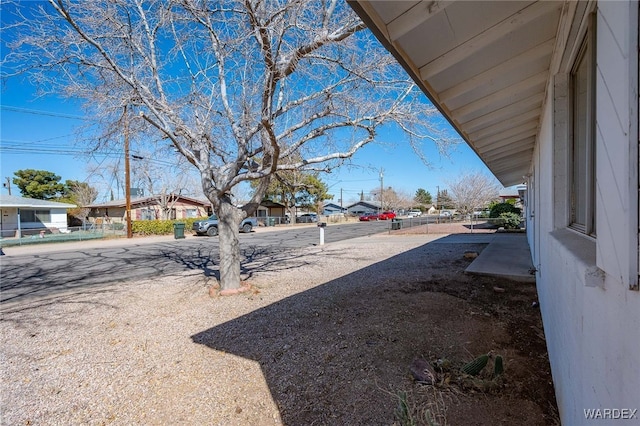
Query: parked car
pixel 307 218
pixel 369 217
pixel 414 213
pixel 209 226
pixel 387 215
pixel 445 214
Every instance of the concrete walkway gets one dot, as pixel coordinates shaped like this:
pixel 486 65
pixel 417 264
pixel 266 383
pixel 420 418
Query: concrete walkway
pixel 507 256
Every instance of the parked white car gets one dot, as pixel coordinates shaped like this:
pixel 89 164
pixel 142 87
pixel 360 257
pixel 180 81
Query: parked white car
pixel 414 213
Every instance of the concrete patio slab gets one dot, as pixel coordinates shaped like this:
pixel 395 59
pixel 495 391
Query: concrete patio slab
pixel 507 256
pixel 466 238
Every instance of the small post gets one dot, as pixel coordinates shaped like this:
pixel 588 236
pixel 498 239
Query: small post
pixel 127 174
pixel 322 225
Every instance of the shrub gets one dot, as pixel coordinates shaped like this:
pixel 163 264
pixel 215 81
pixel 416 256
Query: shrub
pixel 500 208
pixel 152 227
pixel 160 227
pixel 510 220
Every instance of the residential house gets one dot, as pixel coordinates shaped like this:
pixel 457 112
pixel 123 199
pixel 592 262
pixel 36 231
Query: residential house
pixel 21 216
pixel 175 207
pixel 514 194
pixel 333 209
pixel 270 213
pixel 270 208
pixel 150 208
pixel 424 208
pixel 364 207
pixel 546 93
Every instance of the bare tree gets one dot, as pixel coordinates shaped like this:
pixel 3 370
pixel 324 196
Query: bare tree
pixel 473 190
pixel 106 175
pixel 391 199
pixel 163 181
pixel 237 86
pixel 83 195
pixel 404 200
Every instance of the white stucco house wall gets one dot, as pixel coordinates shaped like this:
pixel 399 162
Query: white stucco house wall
pixel 19 215
pixel 546 93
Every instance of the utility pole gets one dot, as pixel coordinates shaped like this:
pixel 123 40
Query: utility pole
pixel 437 196
pixel 7 185
pixel 381 176
pixel 127 175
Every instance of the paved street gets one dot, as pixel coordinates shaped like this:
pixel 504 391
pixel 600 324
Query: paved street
pixel 38 271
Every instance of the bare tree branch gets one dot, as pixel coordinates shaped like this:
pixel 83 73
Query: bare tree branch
pixel 473 191
pixel 242 89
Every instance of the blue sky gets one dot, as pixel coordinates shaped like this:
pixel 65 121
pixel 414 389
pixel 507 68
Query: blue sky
pixel 41 133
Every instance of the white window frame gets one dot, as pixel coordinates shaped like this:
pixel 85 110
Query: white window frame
pixel 582 201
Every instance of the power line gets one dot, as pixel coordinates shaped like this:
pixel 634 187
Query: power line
pixel 41 150
pixel 57 152
pixel 46 113
pixel 38 141
pixel 354 180
pixel 8 150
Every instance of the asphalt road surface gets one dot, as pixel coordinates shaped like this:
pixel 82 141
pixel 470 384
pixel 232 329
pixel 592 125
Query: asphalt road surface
pixel 44 274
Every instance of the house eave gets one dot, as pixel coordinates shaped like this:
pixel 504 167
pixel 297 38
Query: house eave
pixel 7 201
pixel 487 73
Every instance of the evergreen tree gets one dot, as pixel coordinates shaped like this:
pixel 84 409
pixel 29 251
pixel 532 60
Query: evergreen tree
pixel 295 187
pixel 423 197
pixel 39 184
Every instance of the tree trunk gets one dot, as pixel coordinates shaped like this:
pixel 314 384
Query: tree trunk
pixel 229 218
pixel 292 215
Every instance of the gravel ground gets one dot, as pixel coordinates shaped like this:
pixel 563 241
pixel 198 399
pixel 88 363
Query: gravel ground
pixel 320 339
pixel 125 354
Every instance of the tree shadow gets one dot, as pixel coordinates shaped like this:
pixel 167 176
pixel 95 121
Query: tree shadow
pixel 47 276
pixel 31 281
pixel 338 353
pixel 254 258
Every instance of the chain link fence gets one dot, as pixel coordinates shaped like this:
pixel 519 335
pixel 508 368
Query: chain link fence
pixel 71 233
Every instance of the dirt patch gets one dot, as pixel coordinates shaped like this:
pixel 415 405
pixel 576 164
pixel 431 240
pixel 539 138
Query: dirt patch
pixel 326 336
pixel 363 340
pixel 511 328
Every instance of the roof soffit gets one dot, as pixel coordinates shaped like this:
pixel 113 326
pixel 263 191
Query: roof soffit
pixel 484 64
